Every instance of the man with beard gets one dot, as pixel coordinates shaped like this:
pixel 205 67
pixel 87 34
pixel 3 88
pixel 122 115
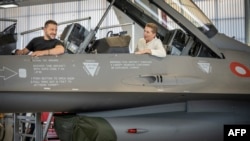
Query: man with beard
pixel 44 45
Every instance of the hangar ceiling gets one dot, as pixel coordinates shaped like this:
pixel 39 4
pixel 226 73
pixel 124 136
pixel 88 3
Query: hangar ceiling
pixel 36 2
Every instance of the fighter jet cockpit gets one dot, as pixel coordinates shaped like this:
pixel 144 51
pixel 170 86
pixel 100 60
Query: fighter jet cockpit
pixel 184 40
pixel 182 26
pixel 74 34
pixel 112 43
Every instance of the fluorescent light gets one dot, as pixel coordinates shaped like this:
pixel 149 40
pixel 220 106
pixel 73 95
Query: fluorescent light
pixel 8 5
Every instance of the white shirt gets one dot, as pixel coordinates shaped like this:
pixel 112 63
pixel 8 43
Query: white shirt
pixel 155 46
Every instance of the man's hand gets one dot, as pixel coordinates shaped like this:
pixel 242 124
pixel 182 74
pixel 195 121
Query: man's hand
pixel 19 52
pixel 40 53
pixel 24 51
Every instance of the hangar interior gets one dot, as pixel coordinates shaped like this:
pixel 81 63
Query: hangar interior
pixel 231 17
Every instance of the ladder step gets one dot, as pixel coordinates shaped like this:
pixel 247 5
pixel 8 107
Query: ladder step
pixel 27 135
pixel 41 129
pixel 27 121
pixel 26 117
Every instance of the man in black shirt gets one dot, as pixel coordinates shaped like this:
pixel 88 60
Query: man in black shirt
pixel 44 45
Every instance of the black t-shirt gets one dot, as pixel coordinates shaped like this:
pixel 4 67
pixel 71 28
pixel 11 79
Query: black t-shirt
pixel 39 43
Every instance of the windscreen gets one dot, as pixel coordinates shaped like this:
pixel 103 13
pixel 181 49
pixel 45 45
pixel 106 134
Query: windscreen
pixel 186 8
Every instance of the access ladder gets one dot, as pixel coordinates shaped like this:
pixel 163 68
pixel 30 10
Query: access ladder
pixel 22 125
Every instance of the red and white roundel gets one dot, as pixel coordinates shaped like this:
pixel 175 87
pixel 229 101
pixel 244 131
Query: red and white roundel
pixel 240 69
